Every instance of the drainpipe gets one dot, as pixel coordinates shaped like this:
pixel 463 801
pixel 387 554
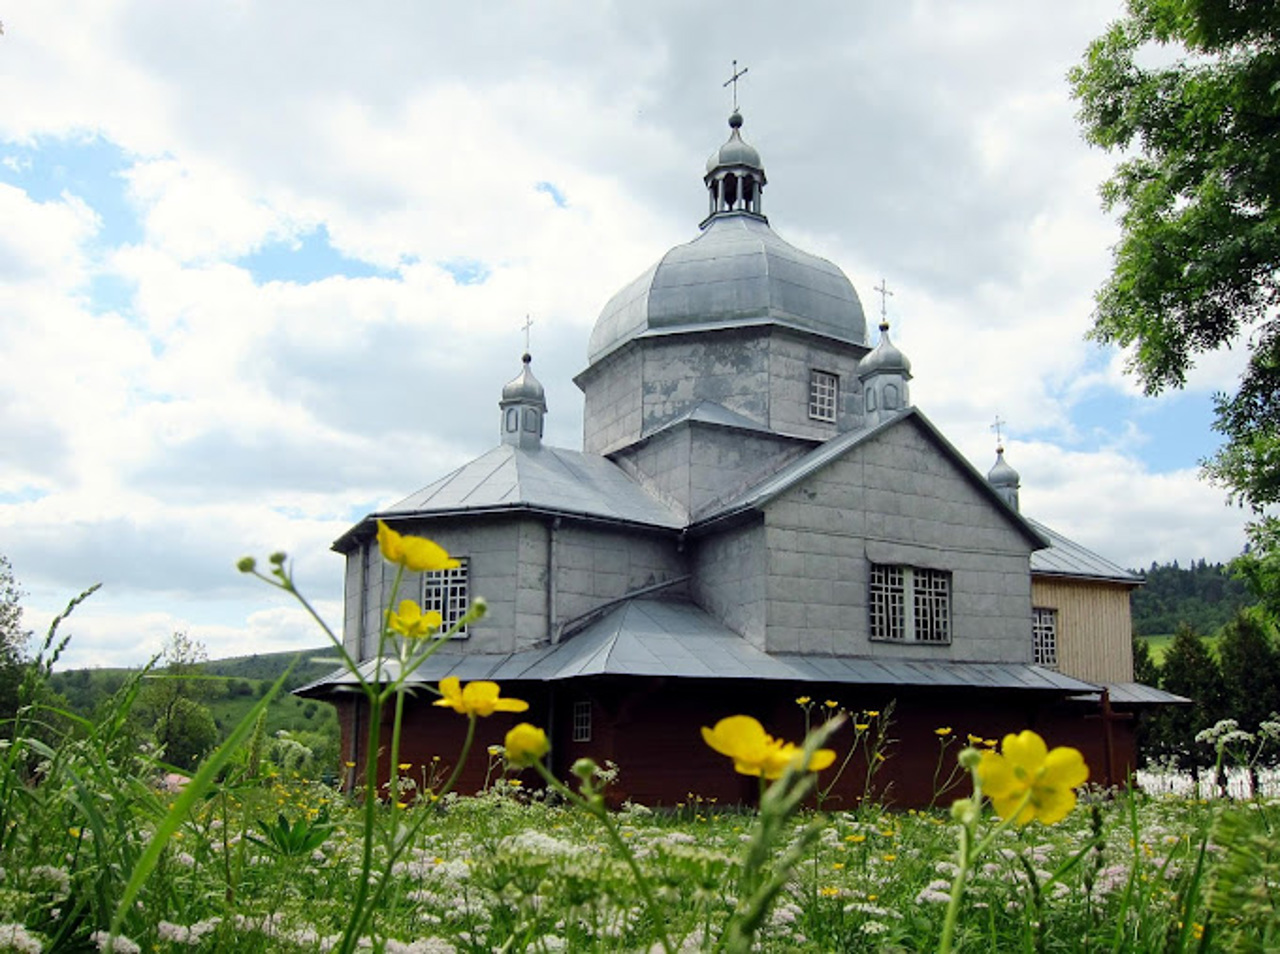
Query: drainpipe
pixel 553 569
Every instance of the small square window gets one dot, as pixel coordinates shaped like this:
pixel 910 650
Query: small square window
pixel 824 394
pixel 1044 637
pixel 582 720
pixel 926 592
pixel 445 591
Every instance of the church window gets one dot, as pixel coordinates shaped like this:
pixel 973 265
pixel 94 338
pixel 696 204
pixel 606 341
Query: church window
pixel 910 604
pixel 531 420
pixel 513 418
pixel 1044 637
pixel 445 591
pixel 890 397
pixel 582 720
pixel 824 389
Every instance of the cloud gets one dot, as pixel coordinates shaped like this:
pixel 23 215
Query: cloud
pixel 267 264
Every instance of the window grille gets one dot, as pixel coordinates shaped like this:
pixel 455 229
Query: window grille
pixel 582 721
pixel 445 591
pixel 824 390
pixel 1044 637
pixel 926 592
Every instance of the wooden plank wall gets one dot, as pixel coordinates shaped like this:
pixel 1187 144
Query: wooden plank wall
pixel 1095 627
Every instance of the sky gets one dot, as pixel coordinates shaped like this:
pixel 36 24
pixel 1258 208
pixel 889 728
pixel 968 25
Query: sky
pixel 265 266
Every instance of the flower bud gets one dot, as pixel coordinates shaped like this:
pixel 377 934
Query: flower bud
pixel 964 811
pixel 246 564
pixel 278 557
pixel 585 769
pixel 969 758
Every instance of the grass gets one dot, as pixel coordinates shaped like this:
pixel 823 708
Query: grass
pixel 1159 645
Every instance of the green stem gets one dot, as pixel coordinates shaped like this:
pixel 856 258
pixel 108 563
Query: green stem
pixel 462 757
pixel 393 779
pixel 595 806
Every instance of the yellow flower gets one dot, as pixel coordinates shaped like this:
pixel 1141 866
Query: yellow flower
pixel 803 701
pixel 861 726
pixel 974 739
pixel 413 553
pixel 495 750
pixel 476 698
pixel 754 752
pixel 831 703
pixel 404 766
pixel 349 764
pixel 1024 769
pixel 411 622
pixel 942 731
pixel 525 744
pixel 873 713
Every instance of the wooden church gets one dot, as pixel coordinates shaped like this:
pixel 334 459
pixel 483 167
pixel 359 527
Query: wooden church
pixel 758 514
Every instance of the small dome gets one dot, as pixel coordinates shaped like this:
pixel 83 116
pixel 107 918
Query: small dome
pixel 735 152
pixel 524 387
pixel 886 357
pixel 1001 474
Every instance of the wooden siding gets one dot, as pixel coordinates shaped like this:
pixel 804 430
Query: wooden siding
pixel 1095 628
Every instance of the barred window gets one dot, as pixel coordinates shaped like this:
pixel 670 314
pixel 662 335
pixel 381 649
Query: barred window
pixel 824 390
pixel 445 591
pixel 1044 637
pixel 582 720
pixel 926 592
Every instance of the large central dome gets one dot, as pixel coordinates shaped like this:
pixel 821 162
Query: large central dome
pixel 737 272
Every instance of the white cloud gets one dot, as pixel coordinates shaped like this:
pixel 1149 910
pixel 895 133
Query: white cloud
pixel 203 414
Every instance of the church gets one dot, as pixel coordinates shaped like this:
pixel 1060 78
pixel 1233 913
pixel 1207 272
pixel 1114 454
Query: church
pixel 758 514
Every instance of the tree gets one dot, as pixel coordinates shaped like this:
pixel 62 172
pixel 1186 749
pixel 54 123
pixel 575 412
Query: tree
pixel 1250 670
pixel 172 702
pixel 1190 670
pixel 13 641
pixel 1198 195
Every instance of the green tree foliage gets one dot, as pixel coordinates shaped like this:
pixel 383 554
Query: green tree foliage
pixel 1204 596
pixel 1198 195
pixel 13 641
pixel 1250 667
pixel 1190 670
pixel 172 702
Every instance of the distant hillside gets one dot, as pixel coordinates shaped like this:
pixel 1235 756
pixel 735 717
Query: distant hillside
pixel 1203 595
pixel 238 682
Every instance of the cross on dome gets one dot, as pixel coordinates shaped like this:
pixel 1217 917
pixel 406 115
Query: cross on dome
pixel 737 74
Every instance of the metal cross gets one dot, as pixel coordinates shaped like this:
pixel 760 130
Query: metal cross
pixel 883 289
pixel 734 80
pixel 528 323
pixel 996 427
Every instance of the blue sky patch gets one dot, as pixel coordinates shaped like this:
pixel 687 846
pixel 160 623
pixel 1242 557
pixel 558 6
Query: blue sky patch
pixel 90 169
pixel 308 258
pixel 467 271
pixel 556 195
pixel 1176 430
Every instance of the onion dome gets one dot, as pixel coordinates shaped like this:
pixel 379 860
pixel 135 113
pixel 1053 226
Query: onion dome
pixel 736 151
pixel 1004 479
pixel 524 407
pixel 886 357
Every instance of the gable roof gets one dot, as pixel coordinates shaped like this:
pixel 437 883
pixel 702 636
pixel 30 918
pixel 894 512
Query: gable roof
pixel 755 498
pixel 1066 558
pixel 546 479
pixel 675 639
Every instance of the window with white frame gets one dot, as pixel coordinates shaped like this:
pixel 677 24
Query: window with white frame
pixel 582 720
pixel 1044 637
pixel 824 393
pixel 445 591
pixel 910 604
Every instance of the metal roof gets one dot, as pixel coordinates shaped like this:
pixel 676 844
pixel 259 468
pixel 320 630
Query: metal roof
pixel 1139 694
pixel 678 640
pixel 737 268
pixel 541 478
pixel 1067 558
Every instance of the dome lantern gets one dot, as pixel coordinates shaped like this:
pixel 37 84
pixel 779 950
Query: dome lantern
pixel 524 409
pixel 735 176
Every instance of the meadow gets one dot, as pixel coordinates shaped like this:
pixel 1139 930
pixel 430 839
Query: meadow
pixel 102 849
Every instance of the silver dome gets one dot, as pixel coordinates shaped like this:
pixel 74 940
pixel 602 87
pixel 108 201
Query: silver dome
pixel 736 272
